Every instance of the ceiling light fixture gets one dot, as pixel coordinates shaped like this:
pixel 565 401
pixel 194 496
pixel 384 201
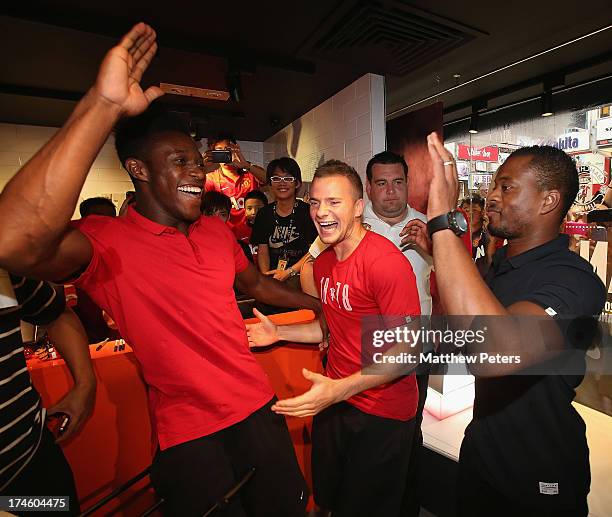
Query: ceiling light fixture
pixel 547 104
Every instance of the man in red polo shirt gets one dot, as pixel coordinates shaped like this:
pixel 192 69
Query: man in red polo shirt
pixel 166 276
pixel 362 431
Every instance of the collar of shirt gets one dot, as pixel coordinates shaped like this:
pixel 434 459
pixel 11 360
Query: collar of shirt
pixel 383 228
pixel 502 264
pixel 369 214
pixel 151 226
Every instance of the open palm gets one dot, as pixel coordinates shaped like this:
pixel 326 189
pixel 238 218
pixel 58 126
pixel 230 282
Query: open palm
pixel 263 333
pixel 119 77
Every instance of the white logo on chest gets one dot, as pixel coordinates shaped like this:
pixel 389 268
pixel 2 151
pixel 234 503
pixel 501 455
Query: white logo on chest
pixel 338 294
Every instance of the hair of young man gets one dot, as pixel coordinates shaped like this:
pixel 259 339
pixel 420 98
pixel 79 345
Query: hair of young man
pixel 86 205
pixel 285 164
pixel 554 170
pixel 214 201
pixel 256 194
pixel 221 137
pixel 473 199
pixel 133 135
pixel 386 158
pixel 337 168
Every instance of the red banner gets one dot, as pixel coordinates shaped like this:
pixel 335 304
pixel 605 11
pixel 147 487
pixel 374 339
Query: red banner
pixel 482 154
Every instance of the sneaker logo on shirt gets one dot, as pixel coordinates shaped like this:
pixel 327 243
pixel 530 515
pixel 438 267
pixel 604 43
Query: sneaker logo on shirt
pixel 549 488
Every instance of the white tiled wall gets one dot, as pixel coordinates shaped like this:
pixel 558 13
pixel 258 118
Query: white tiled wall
pixel 350 126
pixel 18 143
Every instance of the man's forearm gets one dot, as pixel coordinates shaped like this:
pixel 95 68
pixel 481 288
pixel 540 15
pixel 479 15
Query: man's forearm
pixel 360 381
pixel 39 200
pixel 302 333
pixel 451 263
pixel 69 337
pixel 263 258
pixel 277 293
pixel 258 172
pixel 298 265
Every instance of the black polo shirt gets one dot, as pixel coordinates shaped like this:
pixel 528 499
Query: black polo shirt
pixel 525 431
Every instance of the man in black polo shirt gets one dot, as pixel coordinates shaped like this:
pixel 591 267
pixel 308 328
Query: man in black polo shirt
pixel 525 451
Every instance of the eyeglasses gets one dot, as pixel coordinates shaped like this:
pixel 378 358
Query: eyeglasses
pixel 283 179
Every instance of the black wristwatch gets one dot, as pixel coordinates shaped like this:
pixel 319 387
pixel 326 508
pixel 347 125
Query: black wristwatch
pixel 453 220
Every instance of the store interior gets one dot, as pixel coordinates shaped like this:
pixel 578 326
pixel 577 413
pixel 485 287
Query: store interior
pixel 314 82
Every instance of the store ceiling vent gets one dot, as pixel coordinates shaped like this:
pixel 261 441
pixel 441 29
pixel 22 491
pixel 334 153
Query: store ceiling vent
pixel 397 36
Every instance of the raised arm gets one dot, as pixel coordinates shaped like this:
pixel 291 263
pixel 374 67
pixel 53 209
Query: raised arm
pixel 272 292
pixel 38 202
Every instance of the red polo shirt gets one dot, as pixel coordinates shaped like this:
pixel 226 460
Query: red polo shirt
pixel 172 298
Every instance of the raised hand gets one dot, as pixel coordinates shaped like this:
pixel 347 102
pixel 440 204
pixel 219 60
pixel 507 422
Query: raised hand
pixel 263 333
pixel 444 187
pixel 238 159
pixel 121 70
pixel 415 233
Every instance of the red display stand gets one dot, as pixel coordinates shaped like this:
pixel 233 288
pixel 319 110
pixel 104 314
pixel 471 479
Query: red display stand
pixel 115 443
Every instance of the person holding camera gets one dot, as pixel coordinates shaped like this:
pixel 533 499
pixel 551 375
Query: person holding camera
pixel 235 176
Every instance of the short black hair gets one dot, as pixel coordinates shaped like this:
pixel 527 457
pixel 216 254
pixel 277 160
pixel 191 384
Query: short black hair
pixel 386 158
pixel 473 199
pixel 554 170
pixel 338 168
pixel 256 194
pixel 133 134
pixel 285 164
pixel 221 137
pixel 213 201
pixel 86 205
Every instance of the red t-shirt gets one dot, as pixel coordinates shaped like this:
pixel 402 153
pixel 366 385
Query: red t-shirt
pixel 243 232
pixel 375 280
pixel 172 298
pixel 236 190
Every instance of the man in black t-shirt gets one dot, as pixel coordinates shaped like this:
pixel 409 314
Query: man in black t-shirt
pixel 283 229
pixel 525 451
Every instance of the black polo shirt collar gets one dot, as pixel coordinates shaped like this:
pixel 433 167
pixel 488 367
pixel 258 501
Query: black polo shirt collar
pixel 502 264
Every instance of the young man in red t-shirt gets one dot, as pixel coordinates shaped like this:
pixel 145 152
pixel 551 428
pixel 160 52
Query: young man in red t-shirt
pixel 235 179
pixel 166 275
pixel 362 431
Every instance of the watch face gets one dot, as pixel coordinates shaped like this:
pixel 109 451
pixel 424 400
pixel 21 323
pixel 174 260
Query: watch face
pixel 460 221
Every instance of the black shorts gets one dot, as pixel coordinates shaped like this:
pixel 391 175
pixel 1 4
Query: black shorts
pixel 359 462
pixel 193 476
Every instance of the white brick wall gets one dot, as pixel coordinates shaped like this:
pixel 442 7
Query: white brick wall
pixel 19 142
pixel 350 127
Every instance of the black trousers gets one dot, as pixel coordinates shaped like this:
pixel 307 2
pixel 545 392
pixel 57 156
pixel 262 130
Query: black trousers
pixel 48 473
pixel 359 462
pixel 411 505
pixel 477 498
pixel 193 476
